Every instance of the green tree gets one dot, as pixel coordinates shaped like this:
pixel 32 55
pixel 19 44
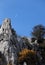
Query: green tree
pixel 38 32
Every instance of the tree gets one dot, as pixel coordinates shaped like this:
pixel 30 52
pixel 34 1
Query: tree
pixel 38 32
pixel 28 56
pixel 26 41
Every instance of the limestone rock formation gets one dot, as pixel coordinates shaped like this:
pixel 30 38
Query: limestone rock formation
pixel 9 44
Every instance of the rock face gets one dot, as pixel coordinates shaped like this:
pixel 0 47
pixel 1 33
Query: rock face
pixel 9 44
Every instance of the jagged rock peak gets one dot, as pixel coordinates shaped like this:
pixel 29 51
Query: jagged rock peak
pixel 6 23
pixel 7 41
pixel 7 20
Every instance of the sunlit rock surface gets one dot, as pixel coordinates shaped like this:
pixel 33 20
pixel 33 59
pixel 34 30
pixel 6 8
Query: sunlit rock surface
pixel 11 44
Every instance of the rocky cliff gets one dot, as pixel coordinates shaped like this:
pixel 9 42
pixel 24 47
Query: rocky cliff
pixel 11 44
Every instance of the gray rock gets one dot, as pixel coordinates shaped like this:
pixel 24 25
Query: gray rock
pixel 10 46
pixel 7 46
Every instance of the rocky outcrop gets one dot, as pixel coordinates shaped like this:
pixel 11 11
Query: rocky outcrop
pixel 11 44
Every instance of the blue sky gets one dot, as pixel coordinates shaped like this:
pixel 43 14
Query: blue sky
pixel 24 14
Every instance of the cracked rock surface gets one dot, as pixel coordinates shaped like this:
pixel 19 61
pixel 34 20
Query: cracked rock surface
pixel 9 45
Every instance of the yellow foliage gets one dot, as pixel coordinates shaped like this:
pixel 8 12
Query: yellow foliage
pixel 28 55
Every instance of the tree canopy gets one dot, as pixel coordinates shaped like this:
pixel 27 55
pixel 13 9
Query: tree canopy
pixel 38 32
